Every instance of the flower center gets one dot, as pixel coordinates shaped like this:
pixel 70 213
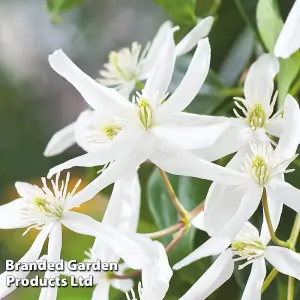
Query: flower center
pixel 247 250
pixel 257 117
pixel 145 113
pixel 259 170
pixel 48 207
pixel 112 129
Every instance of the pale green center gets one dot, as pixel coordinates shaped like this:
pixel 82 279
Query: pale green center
pixel 46 206
pixel 145 113
pixel 115 61
pixel 246 249
pixel 111 130
pixel 259 170
pixel 257 117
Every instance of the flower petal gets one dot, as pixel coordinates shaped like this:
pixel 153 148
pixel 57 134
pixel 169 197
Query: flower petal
pixel 60 141
pixel 290 137
pixel 177 161
pixel 189 137
pixel 32 255
pixel 124 285
pixel 11 214
pixel 191 83
pixel 274 126
pixel 284 260
pixel 135 249
pixel 257 276
pixel 156 278
pixel 198 221
pixel 213 246
pixel 160 77
pixel 200 31
pixel 289 40
pixel 213 278
pixel 101 290
pixel 54 249
pixel 259 83
pixel 95 94
pixel 281 191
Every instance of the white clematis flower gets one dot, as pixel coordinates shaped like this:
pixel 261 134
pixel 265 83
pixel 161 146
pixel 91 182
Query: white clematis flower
pixel 46 209
pixel 247 246
pixel 288 41
pixel 128 66
pixel 125 134
pixel 265 168
pixel 254 114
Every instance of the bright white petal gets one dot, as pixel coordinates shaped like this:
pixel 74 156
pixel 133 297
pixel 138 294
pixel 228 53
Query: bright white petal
pixel 282 191
pixel 136 250
pixel 275 209
pixel 213 246
pixel 31 256
pixel 158 40
pixel 156 278
pixel 161 75
pixel 274 126
pixel 259 83
pixel 54 249
pixel 192 81
pixel 101 290
pixel 284 260
pixel 257 276
pixel 11 214
pixel 60 141
pixel 95 94
pixel 189 137
pixel 289 39
pixel 198 221
pixel 25 190
pixel 213 278
pixel 290 137
pixel 124 285
pixel 200 31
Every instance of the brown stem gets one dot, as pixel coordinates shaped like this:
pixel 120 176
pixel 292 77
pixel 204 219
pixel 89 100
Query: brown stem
pixel 176 240
pixel 166 231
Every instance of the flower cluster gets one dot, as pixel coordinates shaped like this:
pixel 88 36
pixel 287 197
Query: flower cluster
pixel 122 129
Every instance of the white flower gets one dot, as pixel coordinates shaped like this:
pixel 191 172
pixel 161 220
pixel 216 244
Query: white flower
pixel 127 66
pixel 254 114
pixel 46 209
pixel 248 247
pixel 289 40
pixel 265 169
pixel 124 134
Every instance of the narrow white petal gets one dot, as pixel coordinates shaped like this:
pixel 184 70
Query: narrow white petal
pixel 95 94
pixel 135 249
pixel 257 276
pixel 274 126
pixel 284 260
pixel 32 255
pixel 54 249
pixel 192 81
pixel 198 221
pixel 259 83
pixel 160 77
pixel 101 290
pixel 25 190
pixel 282 191
pixel 61 140
pixel 156 278
pixel 189 137
pixel 124 285
pixel 212 279
pixel 275 209
pixel 213 246
pixel 200 31
pixel 11 214
pixel 289 39
pixel 290 137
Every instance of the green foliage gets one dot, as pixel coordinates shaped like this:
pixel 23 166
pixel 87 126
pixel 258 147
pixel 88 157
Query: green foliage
pixel 57 7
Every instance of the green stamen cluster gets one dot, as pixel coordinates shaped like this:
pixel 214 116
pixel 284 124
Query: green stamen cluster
pixel 111 130
pixel 145 113
pixel 257 117
pixel 259 170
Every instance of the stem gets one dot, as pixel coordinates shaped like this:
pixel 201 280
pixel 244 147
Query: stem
pixel 269 279
pixel 176 240
pixel 233 92
pixel 275 239
pixel 127 276
pixel 166 231
pixel 291 286
pixel 295 231
pixel 180 209
pixel 139 85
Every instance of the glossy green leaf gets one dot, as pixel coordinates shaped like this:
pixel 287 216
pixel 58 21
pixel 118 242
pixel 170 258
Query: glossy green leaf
pixel 270 24
pixel 180 11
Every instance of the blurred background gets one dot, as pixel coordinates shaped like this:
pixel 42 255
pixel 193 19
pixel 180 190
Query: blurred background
pixel 35 102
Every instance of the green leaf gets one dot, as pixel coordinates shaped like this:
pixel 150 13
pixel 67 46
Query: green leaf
pixel 56 7
pixel 180 11
pixel 270 24
pixel 190 192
